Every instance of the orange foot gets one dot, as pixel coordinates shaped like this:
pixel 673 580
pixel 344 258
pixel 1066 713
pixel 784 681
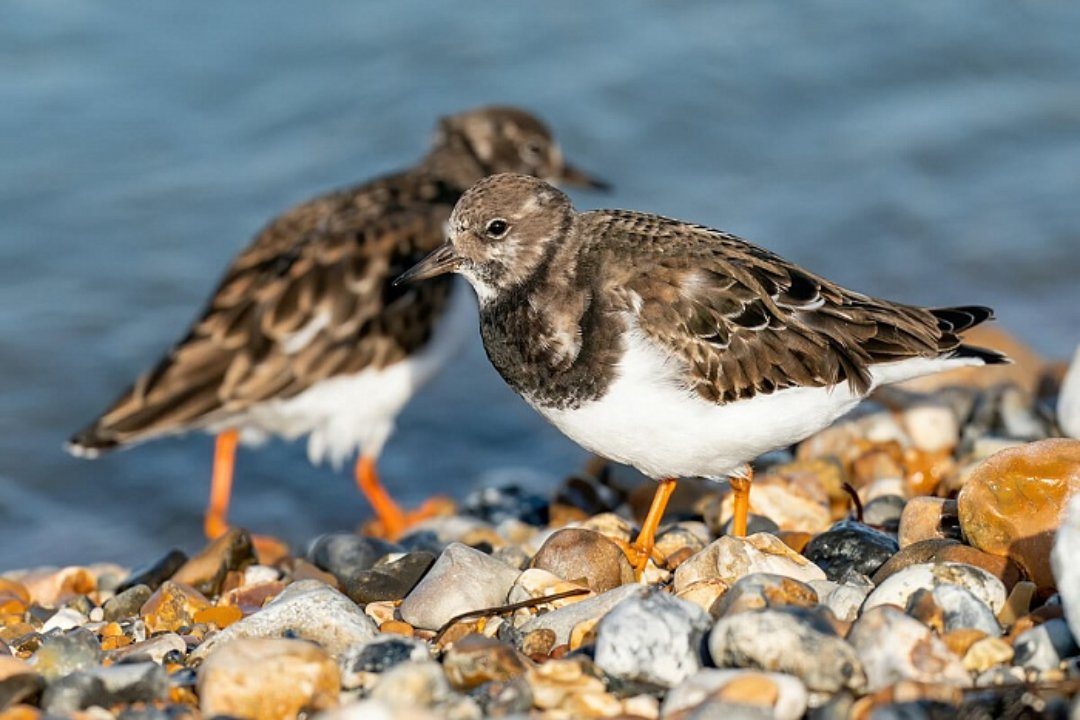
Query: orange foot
pixel 391 521
pixel 641 550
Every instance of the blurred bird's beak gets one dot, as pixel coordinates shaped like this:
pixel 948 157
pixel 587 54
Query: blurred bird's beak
pixel 439 262
pixel 574 177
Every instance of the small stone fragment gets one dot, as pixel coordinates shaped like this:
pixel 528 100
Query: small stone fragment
pixel 307 610
pixel 850 546
pixel 787 641
pixel 899 587
pixel 986 653
pixel 360 664
pixel 155 572
pixel 267 678
pixel 784 695
pixel 127 603
pixel 562 621
pixel 762 590
pixel 344 554
pixel 18 681
pixel 1043 647
pixel 1011 503
pixel 894 647
pixel 461 580
pixel 475 660
pixel 391 581
pixel 928 518
pixel 206 571
pixel 732 558
pixel 651 638
pixel 60 655
pixel 172 606
pixel 221 616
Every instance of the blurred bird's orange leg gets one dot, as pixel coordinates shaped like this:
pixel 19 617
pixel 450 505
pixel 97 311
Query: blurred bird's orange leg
pixel 740 487
pixel 642 548
pixel 391 518
pixel 215 523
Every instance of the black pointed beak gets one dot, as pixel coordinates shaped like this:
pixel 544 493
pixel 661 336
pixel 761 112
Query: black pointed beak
pixel 439 262
pixel 574 177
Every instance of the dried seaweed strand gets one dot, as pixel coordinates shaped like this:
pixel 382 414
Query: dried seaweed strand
pixel 500 609
pixel 854 495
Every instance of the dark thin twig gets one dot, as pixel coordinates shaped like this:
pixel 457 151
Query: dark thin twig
pixel 854 495
pixel 500 609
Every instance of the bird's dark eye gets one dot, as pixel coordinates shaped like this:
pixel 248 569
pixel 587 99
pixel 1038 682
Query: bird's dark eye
pixel 532 152
pixel 497 228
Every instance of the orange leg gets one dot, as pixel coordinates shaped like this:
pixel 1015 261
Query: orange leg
pixel 740 486
pixel 643 546
pixel 215 523
pixel 389 514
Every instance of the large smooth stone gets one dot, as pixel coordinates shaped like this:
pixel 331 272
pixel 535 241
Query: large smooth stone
pixel 1011 503
pixel 894 647
pixel 784 697
pixel 573 553
pixel 267 678
pixel 899 587
pixel 762 590
pixel 308 610
pixel 730 559
pixel 460 581
pixel 790 642
pixel 850 547
pixel 652 638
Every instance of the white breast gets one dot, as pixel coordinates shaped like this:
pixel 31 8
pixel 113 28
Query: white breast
pixel 1068 410
pixel 647 419
pixel 351 412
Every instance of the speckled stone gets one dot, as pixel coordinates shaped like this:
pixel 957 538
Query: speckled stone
pixel 732 558
pixel 788 641
pixel 895 647
pixel 850 546
pixel 898 587
pixel 574 553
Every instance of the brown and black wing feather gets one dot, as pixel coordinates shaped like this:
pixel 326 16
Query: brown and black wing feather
pixel 329 261
pixel 747 322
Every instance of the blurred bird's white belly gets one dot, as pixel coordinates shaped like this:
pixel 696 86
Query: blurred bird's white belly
pixel 347 413
pixel 649 419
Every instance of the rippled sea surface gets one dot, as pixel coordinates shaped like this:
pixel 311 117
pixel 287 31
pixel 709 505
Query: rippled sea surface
pixel 928 152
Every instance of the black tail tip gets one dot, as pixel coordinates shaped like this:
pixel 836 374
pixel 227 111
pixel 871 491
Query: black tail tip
pixel 964 317
pixel 87 444
pixel 988 356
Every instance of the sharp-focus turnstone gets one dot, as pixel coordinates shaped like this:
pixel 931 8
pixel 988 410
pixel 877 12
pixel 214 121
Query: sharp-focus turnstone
pixel 306 335
pixel 674 348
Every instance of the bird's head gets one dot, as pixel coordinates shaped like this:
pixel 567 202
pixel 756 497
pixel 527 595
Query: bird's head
pixel 502 231
pixel 502 139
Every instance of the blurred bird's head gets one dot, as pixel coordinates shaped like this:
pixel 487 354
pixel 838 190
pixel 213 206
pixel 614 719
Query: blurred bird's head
pixel 503 230
pixel 500 139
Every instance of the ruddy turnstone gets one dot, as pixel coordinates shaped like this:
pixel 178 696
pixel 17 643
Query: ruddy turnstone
pixel 306 335
pixel 671 347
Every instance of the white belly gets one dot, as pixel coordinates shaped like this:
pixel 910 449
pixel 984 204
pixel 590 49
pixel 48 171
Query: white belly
pixel 346 413
pixel 647 420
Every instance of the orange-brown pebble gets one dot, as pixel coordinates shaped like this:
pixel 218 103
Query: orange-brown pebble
pixel 927 518
pixel 52 588
pixel 207 571
pixel 1012 501
pixel 1025 369
pixel 114 642
pixel 1018 603
pixel 300 569
pixel 269 550
pixel 795 540
pixel 749 689
pixel 960 641
pixel 20 712
pixel 112 629
pixel 13 589
pixel 397 627
pixel 221 615
pixel 925 470
pixel 172 606
pixel 251 598
pixel 11 633
pixel 457 631
pixel 538 643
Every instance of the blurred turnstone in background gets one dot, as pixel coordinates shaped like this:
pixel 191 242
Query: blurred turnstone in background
pixel 306 335
pixel 677 349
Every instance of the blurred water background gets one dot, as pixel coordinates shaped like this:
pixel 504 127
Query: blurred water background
pixel 928 152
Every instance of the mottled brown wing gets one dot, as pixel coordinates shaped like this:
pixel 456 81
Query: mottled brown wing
pixel 747 322
pixel 310 298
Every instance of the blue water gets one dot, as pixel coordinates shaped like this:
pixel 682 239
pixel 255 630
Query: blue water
pixel 924 151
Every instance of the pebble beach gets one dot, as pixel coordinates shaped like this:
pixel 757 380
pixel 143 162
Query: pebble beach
pixel 913 559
